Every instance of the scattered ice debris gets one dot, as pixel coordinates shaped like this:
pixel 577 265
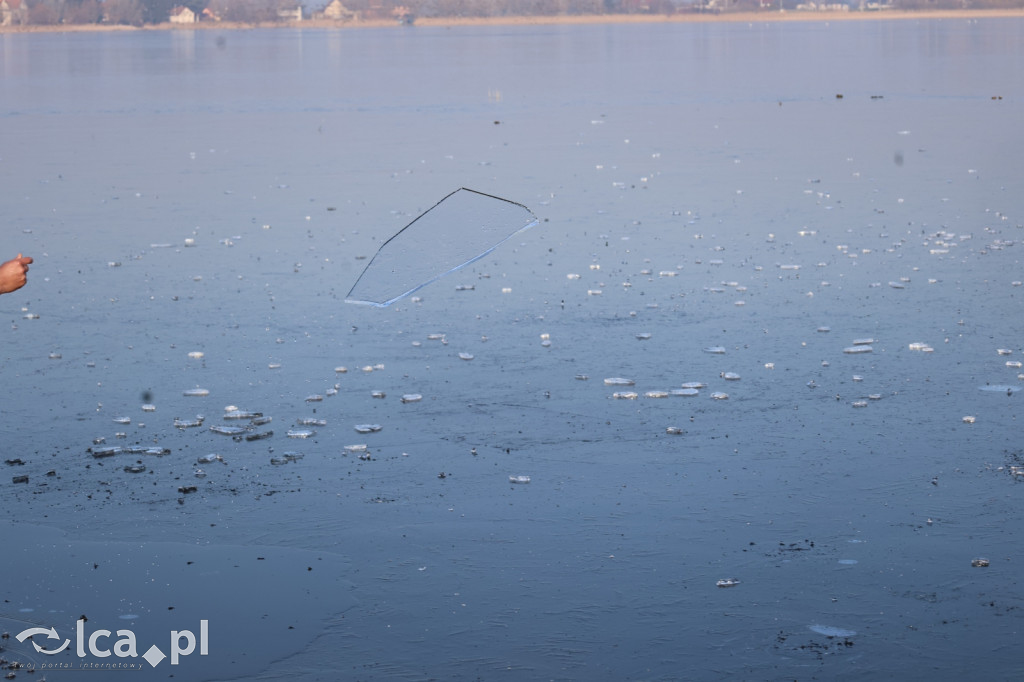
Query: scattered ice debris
pixel 656 394
pixel 286 458
pixel 188 423
pixel 618 381
pixel 209 459
pixel 858 350
pixel 728 582
pixel 685 392
pixel 196 354
pixel 518 479
pixel 411 398
pixel 241 414
pixel 625 395
pixel 311 421
pixel 316 398
pixel 582 377
pixel 300 433
pixel 23 478
pixel 196 392
pixel 643 336
pixel 859 403
pixel 864 341
pixel 969 419
pixel 461 228
pixel 378 394
pixel 847 562
pixel 730 376
pixel 341 370
pixel 135 468
pixel 831 631
pixel 718 395
pixel 360 447
pixel 999 388
pixel 980 563
pixel 674 431
pixel 693 384
pixel 920 346
pixel 122 420
pixel 465 356
pixel 715 350
pixel 368 428
pixel 228 430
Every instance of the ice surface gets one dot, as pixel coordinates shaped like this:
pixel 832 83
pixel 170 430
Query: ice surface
pixel 461 228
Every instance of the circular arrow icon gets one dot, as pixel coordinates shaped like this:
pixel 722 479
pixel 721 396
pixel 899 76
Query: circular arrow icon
pixel 50 634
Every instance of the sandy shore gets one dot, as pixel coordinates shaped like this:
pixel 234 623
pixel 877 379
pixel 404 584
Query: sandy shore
pixel 687 18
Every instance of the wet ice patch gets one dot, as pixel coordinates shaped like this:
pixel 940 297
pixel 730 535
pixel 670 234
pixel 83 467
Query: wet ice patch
pixel 831 631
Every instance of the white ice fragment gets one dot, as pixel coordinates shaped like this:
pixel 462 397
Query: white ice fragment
pixel 518 479
pixel 830 631
pixel 618 381
pixel 224 430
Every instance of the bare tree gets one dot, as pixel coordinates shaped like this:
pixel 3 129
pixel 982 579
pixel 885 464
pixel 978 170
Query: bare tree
pixel 127 12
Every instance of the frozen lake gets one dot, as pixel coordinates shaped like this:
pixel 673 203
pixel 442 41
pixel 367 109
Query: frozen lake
pixel 760 359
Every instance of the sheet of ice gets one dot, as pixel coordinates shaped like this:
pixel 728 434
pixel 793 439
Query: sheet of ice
pixel 463 227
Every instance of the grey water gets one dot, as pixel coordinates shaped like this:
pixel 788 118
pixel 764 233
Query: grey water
pixel 199 203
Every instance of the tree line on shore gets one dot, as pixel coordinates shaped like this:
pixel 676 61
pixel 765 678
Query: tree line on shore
pixel 141 12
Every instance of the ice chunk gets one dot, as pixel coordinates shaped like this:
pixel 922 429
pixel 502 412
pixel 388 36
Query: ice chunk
pixel 461 228
pixel 831 631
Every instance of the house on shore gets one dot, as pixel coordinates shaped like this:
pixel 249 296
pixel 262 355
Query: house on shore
pixel 183 15
pixel 290 14
pixel 337 11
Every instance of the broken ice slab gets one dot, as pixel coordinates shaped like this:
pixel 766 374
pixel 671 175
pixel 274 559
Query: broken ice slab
pixel 462 228
pixel 831 631
pixel 518 479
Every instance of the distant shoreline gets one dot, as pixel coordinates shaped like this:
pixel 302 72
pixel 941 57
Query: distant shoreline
pixel 560 20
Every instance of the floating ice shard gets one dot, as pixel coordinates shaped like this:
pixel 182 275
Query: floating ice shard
pixel 461 228
pixel 831 631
